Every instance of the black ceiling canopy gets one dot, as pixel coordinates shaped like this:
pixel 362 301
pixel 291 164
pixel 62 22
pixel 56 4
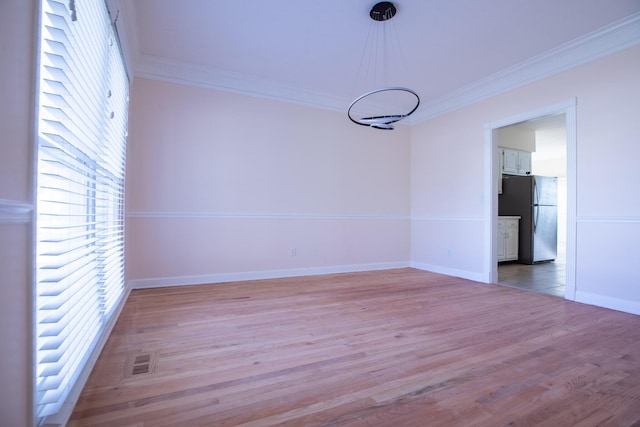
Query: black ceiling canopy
pixel 382 11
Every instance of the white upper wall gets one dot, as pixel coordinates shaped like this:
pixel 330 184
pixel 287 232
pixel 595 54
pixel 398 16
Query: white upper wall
pixel 201 150
pixel 16 106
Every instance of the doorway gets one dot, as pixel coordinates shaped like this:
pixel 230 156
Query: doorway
pixel 556 278
pixel 546 138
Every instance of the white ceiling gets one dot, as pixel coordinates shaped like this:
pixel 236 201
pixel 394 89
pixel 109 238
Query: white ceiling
pixel 311 52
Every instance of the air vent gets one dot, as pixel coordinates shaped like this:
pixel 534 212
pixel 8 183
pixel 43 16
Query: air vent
pixel 140 364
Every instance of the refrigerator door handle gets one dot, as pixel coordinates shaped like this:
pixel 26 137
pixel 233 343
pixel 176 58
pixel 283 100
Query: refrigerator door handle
pixel 536 213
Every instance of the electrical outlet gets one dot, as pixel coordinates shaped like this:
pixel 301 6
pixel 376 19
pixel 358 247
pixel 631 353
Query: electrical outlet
pixel 294 252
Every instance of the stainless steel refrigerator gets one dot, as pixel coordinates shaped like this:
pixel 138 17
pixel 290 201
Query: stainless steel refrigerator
pixel 535 199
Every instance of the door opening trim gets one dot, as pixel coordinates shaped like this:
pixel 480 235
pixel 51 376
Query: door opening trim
pixel 491 162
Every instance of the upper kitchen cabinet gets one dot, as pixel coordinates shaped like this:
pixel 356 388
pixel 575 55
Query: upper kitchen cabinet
pixel 515 144
pixel 515 162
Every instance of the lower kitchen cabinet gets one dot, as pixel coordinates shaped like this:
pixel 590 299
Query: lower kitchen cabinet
pixel 508 238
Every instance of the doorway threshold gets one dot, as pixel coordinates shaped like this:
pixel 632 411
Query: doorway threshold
pixel 545 278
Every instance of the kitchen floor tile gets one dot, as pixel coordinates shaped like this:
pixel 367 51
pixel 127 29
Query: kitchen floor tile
pixel 546 278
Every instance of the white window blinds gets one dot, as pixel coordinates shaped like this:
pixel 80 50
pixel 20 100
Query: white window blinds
pixel 82 123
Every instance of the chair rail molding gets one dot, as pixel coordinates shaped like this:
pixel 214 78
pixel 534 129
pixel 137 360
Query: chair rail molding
pixel 15 212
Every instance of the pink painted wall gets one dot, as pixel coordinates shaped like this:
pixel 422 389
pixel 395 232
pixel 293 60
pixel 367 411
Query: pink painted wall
pixel 221 183
pixel 16 322
pixel 264 177
pixel 447 164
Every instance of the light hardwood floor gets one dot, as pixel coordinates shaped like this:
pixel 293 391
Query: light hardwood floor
pixel 390 348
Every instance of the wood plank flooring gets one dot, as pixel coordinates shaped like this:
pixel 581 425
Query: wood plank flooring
pixel 395 348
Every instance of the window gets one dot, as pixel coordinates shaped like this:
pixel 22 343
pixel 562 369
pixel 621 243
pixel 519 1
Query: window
pixel 82 124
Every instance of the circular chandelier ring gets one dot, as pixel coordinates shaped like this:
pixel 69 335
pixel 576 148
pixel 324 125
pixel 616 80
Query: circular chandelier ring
pixel 383 121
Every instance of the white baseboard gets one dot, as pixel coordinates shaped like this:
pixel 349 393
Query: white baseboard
pixel 618 304
pixel 464 274
pixel 160 282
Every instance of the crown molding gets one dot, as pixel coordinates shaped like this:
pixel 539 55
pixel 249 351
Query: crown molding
pixel 610 39
pixel 158 68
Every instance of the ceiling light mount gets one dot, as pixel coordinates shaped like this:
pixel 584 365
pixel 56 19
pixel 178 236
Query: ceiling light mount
pixel 383 11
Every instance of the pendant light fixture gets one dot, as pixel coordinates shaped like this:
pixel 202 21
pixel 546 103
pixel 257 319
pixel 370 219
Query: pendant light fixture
pixel 383 106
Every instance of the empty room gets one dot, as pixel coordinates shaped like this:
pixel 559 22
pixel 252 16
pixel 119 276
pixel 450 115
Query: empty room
pixel 341 213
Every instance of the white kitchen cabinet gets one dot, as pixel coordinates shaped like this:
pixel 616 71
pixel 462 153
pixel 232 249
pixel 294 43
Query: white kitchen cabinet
pixel 508 227
pixel 516 162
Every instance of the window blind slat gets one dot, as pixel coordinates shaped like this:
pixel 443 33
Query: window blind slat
pixel 82 128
